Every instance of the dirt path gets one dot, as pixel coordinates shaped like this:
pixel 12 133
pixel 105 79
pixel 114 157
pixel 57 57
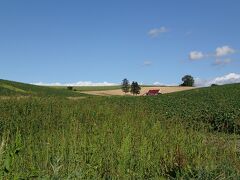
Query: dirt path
pixel 118 92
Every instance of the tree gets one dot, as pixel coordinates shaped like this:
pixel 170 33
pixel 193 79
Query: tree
pixel 213 85
pixel 125 86
pixel 135 88
pixel 187 80
pixel 70 88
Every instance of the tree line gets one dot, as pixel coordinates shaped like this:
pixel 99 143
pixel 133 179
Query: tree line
pixel 134 88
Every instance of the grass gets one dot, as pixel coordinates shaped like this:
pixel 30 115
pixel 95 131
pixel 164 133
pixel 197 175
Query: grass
pixel 11 88
pixel 192 134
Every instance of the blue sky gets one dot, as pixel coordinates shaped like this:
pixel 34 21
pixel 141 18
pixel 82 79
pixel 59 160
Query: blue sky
pixel 106 41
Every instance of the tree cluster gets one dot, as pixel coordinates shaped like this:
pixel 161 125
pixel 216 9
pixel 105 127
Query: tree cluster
pixel 134 88
pixel 187 81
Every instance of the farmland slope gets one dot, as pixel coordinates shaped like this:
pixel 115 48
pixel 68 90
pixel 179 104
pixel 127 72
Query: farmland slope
pixel 184 135
pixel 11 88
pixel 144 90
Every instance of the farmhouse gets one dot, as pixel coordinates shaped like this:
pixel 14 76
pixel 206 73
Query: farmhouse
pixel 153 92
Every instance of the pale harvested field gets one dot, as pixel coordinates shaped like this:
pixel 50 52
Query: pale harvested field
pixel 118 92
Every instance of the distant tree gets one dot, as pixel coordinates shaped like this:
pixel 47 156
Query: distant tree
pixel 212 85
pixel 135 88
pixel 125 86
pixel 70 88
pixel 187 81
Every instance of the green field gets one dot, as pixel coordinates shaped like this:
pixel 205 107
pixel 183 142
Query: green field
pixel 10 88
pixel 190 135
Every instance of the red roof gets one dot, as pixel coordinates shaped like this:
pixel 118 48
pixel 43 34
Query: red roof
pixel 153 92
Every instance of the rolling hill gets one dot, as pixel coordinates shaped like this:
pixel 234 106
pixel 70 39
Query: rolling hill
pixel 183 135
pixel 11 88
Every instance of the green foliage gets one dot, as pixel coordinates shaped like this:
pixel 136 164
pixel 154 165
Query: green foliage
pixel 135 88
pixel 125 86
pixel 70 88
pixel 216 107
pixel 184 135
pixel 187 81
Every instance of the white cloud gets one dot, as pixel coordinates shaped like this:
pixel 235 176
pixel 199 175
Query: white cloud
pixel 80 83
pixel 147 63
pixel 196 55
pixel 219 53
pixel 226 79
pixel 224 50
pixel 157 83
pixel 157 31
pixel 162 84
pixel 219 62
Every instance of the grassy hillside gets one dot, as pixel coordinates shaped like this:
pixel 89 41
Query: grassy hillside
pixel 219 106
pixel 11 88
pixel 181 135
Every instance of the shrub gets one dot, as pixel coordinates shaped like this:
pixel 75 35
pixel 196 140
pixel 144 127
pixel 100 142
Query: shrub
pixel 70 88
